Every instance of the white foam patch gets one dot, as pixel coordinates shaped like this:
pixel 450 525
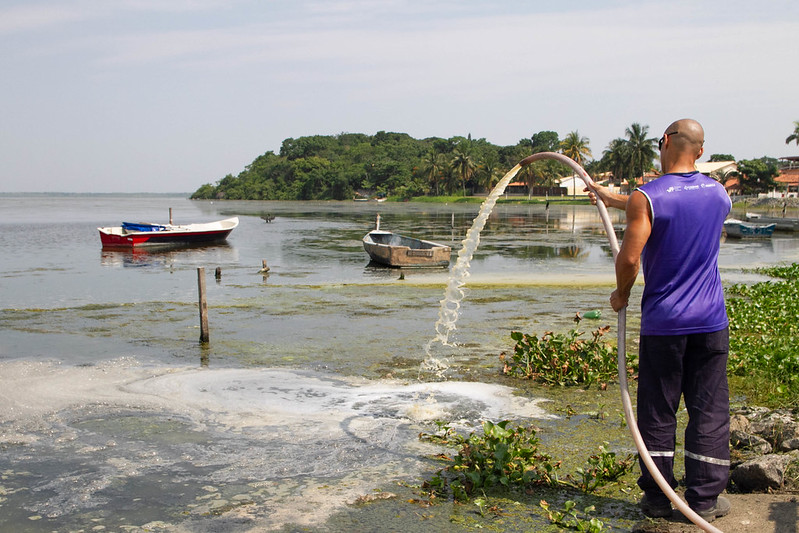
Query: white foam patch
pixel 299 440
pixel 258 397
pixel 30 389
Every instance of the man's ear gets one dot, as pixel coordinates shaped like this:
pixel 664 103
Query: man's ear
pixel 701 151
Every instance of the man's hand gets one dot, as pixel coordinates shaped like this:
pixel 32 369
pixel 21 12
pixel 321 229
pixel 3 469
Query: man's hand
pixel 618 302
pixel 610 199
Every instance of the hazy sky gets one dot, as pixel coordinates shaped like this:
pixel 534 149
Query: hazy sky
pixel 166 95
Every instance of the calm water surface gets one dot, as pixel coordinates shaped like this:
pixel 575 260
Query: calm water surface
pixel 308 391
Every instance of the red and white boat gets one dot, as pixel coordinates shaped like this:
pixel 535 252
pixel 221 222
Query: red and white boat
pixel 130 235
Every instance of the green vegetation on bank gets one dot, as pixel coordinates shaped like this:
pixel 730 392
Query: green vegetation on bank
pixel 764 339
pixel 764 346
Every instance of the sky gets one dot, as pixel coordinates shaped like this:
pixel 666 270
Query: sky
pixel 102 96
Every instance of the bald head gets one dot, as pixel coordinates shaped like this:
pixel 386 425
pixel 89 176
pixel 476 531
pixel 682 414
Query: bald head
pixel 683 144
pixel 690 136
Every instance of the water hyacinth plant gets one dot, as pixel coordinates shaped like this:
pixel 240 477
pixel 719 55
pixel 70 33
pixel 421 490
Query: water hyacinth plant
pixel 764 337
pixel 564 358
pixel 508 456
pixel 501 455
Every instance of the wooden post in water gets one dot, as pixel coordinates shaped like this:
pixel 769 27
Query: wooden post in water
pixel 170 216
pixel 203 305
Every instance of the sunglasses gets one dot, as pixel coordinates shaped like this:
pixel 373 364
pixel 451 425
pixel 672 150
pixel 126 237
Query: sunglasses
pixel 663 139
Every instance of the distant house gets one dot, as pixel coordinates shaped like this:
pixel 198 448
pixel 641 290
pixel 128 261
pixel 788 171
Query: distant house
pixel 788 181
pixel 722 171
pixel 574 185
pixel 719 168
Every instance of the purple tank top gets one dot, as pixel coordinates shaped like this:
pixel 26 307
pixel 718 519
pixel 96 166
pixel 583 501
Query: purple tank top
pixel 682 286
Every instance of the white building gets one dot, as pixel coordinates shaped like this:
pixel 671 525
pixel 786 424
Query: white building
pixel 570 183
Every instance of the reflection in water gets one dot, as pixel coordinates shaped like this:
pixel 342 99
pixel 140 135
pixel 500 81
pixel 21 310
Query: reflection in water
pixel 166 255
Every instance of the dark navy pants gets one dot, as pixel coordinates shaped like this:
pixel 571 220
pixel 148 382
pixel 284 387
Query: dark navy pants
pixel 694 366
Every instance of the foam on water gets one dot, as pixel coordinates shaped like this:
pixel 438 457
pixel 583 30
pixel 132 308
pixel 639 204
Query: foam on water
pixel 455 292
pixel 298 445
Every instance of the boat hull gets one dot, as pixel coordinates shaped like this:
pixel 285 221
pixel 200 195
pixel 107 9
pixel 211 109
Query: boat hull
pixel 781 224
pixel 119 237
pixel 394 250
pixel 738 229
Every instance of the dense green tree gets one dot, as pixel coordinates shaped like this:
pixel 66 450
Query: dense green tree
pixel 715 158
pixel 757 175
pixel 545 141
pixel 205 192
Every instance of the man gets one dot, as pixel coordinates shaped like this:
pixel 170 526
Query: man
pixel 674 225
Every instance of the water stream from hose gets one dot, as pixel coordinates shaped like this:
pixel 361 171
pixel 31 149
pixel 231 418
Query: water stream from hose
pixel 455 291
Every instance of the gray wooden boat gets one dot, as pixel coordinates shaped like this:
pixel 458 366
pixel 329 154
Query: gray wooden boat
pixel 394 250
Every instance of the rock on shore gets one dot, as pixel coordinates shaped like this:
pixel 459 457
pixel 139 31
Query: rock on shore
pixel 765 446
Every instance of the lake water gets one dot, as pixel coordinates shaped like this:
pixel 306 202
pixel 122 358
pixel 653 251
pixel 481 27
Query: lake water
pixel 310 392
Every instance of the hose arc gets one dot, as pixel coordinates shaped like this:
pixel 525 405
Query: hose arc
pixel 621 332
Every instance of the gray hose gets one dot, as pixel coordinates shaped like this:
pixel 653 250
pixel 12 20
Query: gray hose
pixel 622 353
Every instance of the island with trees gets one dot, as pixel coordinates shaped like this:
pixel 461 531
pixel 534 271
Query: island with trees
pixel 396 165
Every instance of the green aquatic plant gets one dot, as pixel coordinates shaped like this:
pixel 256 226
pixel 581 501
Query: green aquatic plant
pixel 564 358
pixel 502 455
pixel 764 337
pixel 569 517
pixel 508 456
pixel 603 468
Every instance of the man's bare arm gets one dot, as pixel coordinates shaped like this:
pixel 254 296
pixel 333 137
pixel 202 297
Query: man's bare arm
pixel 628 260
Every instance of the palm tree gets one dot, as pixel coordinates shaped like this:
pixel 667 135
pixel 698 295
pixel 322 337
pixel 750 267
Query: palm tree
pixel 433 168
pixel 723 175
pixel 642 150
pixel 528 174
pixel 795 135
pixel 575 147
pixel 489 173
pixel 463 166
pixel 616 159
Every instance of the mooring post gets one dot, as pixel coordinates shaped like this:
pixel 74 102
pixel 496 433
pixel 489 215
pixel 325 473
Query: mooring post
pixel 218 273
pixel 203 305
pixel 170 216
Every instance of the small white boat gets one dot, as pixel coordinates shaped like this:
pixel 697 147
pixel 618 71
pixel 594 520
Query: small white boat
pixel 739 229
pixel 130 235
pixel 394 250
